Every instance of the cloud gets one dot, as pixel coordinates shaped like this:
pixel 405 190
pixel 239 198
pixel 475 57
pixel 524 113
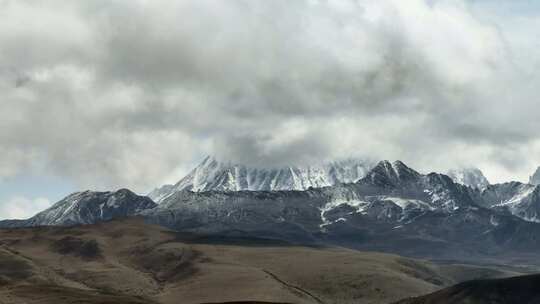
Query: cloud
pixel 121 94
pixel 18 207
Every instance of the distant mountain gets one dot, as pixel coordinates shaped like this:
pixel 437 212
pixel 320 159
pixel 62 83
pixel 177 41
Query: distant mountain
pixel 522 289
pixel 516 198
pixel 87 207
pixel 471 177
pixel 535 178
pixel 393 208
pixel 159 194
pixel 521 200
pixel 213 175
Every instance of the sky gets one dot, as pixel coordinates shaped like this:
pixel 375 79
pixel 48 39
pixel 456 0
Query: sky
pixel 104 95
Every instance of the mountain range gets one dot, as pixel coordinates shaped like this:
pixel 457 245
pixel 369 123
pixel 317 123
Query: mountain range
pixel 471 177
pixel 214 175
pixel 391 207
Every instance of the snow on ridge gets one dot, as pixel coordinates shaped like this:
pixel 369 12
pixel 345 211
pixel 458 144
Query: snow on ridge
pixel 212 175
pixel 359 205
pixel 472 177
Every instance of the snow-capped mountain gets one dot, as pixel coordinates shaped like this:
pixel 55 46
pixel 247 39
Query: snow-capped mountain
pixel 471 177
pixel 390 192
pixel 535 178
pixel 393 208
pixel 521 200
pixel 88 207
pixel 213 175
pixel 159 194
pixel 410 191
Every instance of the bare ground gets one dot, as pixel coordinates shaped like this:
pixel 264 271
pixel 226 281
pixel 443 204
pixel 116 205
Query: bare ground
pixel 131 262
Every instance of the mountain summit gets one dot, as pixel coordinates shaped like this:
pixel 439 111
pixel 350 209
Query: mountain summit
pixel 87 207
pixel 471 177
pixel 535 178
pixel 214 175
pixel 386 173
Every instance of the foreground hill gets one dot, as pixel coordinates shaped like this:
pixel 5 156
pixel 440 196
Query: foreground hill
pixel 522 290
pixel 131 262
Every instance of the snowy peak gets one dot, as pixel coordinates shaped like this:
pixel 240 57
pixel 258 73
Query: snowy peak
pixel 89 207
pixel 521 200
pixel 391 174
pixel 535 178
pixel 160 193
pixel 403 172
pixel 471 177
pixel 214 175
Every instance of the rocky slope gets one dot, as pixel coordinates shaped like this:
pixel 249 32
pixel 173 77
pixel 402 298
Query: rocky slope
pixel 213 175
pixel 521 200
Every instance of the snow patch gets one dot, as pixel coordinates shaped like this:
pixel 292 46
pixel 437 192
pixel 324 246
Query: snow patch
pixel 359 205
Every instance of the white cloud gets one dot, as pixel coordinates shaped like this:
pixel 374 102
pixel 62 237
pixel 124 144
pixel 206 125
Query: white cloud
pixel 120 94
pixel 19 207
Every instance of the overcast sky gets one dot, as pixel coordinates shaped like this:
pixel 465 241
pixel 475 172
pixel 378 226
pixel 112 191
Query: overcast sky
pixel 132 93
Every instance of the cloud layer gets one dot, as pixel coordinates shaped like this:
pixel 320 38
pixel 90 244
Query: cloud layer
pixel 122 93
pixel 19 207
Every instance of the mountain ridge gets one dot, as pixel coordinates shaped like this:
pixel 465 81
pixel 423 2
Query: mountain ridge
pixel 392 208
pixel 392 202
pixel 214 175
pixel 472 177
pixel 87 207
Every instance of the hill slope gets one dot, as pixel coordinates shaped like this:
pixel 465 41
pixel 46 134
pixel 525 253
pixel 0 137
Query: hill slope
pixel 522 290
pixel 131 262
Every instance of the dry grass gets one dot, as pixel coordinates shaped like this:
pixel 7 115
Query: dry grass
pixel 131 262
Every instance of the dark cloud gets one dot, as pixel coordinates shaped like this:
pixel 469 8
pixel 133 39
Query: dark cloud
pixel 121 93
